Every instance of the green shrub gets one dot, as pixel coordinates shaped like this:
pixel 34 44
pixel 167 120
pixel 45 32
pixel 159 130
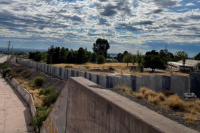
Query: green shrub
pixel 47 91
pixel 111 69
pixel 3 65
pixel 50 98
pixel 41 115
pixel 38 81
pixel 101 59
pixel 5 71
pixel 68 66
pixel 13 74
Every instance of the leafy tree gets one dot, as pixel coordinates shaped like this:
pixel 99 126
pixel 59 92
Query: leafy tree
pixel 153 52
pixel 128 58
pixel 181 55
pixel 50 53
pixel 93 58
pixel 153 62
pixel 70 57
pixel 197 57
pixel 125 52
pixel 101 59
pixel 63 55
pixel 56 55
pixel 101 46
pixel 139 60
pixel 120 57
pixel 81 56
pixel 32 54
pixel 38 57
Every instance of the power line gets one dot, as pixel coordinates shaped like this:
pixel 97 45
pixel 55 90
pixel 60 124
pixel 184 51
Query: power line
pixel 48 22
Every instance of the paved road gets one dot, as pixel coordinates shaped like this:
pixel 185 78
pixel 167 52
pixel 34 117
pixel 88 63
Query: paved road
pixel 15 116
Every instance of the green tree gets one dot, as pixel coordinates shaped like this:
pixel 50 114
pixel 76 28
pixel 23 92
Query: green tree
pixel 50 53
pixel 101 45
pixel 153 62
pixel 128 58
pixel 93 58
pixel 181 55
pixel 101 59
pixel 197 57
pixel 120 57
pixel 63 55
pixel 139 60
pixel 81 56
pixel 38 57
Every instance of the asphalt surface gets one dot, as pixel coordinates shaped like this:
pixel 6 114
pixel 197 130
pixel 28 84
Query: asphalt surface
pixel 15 115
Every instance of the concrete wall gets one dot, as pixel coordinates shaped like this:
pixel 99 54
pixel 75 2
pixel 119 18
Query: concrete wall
pixel 180 84
pixel 83 107
pixel 159 83
pixel 24 94
pixel 56 121
pixel 195 83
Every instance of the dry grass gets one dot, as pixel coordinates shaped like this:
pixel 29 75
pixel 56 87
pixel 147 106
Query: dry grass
pixel 119 67
pixel 175 103
pixel 189 118
pixel 189 109
pixel 139 95
pixel 125 90
pixel 36 97
pixel 161 96
pixel 153 99
pixel 93 65
pixel 150 92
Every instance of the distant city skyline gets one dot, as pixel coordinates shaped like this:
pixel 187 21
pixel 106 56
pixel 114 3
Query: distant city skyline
pixel 130 25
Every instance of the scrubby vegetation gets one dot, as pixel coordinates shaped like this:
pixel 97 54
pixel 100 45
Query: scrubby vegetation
pixel 50 94
pixel 49 97
pixel 39 81
pixel 5 71
pixel 100 59
pixel 44 98
pixel 190 110
pixel 41 115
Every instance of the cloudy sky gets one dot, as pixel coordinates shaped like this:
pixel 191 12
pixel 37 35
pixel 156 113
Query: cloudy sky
pixel 127 24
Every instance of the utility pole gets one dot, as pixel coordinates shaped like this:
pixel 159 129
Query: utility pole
pixel 8 49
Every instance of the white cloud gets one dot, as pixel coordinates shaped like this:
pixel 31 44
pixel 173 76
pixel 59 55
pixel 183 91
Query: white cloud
pixel 82 22
pixel 190 4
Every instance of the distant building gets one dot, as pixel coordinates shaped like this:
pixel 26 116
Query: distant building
pixel 111 60
pixel 190 65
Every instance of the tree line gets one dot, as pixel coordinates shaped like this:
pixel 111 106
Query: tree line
pixel 152 59
pixel 80 56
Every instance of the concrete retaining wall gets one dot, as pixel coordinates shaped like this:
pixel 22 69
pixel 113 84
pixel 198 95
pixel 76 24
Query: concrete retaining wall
pixel 180 84
pixel 24 94
pixel 83 107
pixel 159 83
pixel 195 83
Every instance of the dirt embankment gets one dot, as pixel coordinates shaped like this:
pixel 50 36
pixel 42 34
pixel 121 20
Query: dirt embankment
pixel 25 76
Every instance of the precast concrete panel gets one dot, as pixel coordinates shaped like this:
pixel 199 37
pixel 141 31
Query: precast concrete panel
pixel 94 78
pixel 138 83
pixel 195 83
pixel 180 84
